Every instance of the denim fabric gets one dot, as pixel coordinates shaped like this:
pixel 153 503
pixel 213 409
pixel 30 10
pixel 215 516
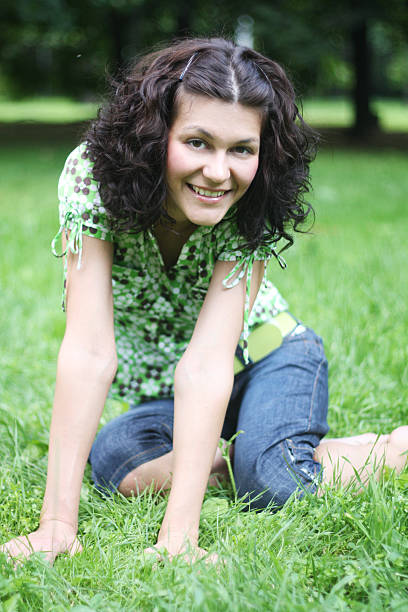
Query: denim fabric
pixel 279 402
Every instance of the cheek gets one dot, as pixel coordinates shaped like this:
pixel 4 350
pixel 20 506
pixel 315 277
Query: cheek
pixel 172 162
pixel 250 172
pixel 177 162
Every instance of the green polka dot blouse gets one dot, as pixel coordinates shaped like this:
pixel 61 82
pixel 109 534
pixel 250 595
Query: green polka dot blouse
pixel 155 310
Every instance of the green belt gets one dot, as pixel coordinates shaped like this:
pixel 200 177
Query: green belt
pixel 267 337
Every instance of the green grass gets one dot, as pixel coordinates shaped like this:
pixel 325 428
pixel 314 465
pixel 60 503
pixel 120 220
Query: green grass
pixel 46 110
pixel 340 552
pixel 322 112
pixel 338 112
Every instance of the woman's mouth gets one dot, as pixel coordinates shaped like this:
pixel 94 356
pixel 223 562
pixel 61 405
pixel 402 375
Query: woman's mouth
pixel 208 194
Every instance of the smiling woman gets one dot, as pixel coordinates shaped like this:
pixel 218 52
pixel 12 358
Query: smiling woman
pixel 210 168
pixel 169 212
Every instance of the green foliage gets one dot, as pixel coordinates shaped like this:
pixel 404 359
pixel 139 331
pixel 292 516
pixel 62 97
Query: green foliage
pixel 65 48
pixel 341 551
pixel 56 47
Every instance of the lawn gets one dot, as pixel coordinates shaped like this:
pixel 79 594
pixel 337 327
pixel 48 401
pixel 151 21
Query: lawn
pixel 348 280
pixel 338 112
pixel 46 110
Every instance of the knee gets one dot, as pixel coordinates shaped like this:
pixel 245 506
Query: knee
pixel 277 473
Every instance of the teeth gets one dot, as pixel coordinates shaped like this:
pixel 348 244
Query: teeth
pixel 205 192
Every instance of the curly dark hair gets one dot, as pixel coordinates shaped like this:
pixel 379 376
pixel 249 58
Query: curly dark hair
pixel 128 140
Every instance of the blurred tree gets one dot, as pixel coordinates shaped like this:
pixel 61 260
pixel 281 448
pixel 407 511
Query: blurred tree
pixel 318 39
pixel 356 23
pixel 64 46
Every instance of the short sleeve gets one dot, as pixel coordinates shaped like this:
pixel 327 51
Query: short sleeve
pixel 229 247
pixel 230 244
pixel 79 199
pixel 80 208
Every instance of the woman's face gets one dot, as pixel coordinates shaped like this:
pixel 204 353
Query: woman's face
pixel 212 158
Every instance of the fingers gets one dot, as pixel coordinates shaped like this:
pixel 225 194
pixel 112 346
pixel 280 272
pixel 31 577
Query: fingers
pixel 20 549
pixel 192 555
pixel 17 551
pixel 75 548
pixel 156 553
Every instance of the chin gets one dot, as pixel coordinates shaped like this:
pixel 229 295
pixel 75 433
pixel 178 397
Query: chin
pixel 209 218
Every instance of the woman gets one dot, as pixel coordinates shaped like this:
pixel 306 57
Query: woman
pixel 169 212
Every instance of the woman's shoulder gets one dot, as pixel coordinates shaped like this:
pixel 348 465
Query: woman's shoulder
pixel 77 169
pixel 232 246
pixel 79 199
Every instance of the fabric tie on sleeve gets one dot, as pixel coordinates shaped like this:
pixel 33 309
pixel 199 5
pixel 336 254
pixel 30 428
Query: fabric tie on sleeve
pixel 280 259
pixel 73 223
pixel 243 266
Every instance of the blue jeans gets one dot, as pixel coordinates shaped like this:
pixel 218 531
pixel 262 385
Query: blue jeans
pixel 280 403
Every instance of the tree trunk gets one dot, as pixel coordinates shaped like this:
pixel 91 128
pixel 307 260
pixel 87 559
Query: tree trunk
pixel 116 27
pixel 185 10
pixel 365 120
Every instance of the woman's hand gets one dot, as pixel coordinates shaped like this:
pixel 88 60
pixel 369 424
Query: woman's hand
pixel 180 547
pixel 203 382
pixel 52 538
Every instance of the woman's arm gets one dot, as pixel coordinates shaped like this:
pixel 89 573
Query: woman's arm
pixel 203 383
pixel 86 367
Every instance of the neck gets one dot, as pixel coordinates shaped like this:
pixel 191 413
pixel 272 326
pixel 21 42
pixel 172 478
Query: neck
pixel 182 228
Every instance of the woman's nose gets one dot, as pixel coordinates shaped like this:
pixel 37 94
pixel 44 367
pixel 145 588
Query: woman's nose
pixel 217 169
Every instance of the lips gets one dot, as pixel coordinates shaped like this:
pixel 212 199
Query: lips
pixel 208 193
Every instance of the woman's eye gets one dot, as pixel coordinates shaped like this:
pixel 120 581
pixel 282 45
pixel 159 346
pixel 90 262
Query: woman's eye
pixel 196 143
pixel 243 150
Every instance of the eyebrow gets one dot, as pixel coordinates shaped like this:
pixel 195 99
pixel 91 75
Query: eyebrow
pixel 211 137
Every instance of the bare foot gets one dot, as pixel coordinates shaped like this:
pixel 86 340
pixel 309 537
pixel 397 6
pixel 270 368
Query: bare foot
pixel 399 440
pixel 365 438
pixel 159 471
pixel 343 458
